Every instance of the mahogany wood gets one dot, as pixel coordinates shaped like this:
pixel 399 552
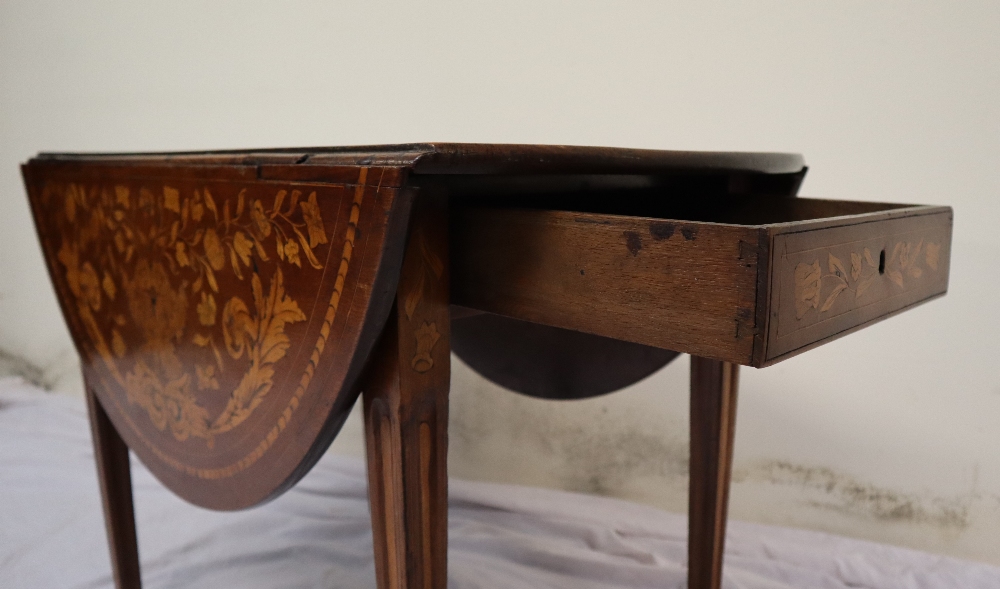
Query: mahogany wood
pixel 227 305
pixel 115 478
pixel 713 425
pixel 406 416
pixel 548 362
pixel 213 316
pixel 748 294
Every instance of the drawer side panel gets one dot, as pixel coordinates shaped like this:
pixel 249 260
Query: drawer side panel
pixel 684 286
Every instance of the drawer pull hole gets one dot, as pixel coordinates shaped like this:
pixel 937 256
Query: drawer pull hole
pixel 881 262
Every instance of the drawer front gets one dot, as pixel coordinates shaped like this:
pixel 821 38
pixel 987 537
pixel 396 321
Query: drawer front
pixel 828 282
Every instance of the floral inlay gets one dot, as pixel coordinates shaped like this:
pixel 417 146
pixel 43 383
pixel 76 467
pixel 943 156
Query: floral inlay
pixel 816 288
pixel 165 251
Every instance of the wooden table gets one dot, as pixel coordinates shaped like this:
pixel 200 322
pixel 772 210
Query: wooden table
pixel 230 307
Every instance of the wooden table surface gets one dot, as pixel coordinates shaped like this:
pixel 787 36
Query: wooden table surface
pixel 230 307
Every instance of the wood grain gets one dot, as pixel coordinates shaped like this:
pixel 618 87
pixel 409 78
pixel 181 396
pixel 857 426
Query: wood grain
pixel 833 280
pixel 115 478
pixel 713 424
pixel 549 362
pixel 675 285
pixel 721 290
pixel 214 314
pixel 406 415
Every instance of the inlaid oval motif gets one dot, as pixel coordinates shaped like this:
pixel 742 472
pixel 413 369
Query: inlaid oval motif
pixel 205 309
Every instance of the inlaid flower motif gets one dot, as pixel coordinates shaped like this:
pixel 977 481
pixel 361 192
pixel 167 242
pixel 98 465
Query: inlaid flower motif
pixel 108 284
pixel 808 282
pixel 292 253
pixel 236 326
pixel 69 256
pixel 157 309
pixel 213 249
pixel 310 212
pixel 90 286
pixel 261 224
pixel 206 309
pixel 206 378
pixel 119 247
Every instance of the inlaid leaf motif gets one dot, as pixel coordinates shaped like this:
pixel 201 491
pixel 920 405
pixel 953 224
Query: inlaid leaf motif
pixel 210 276
pixel 210 204
pixel 109 286
pixel 243 247
pixel 180 252
pixel 213 249
pixel 294 201
pixel 306 249
pixel 933 254
pixel 206 309
pixel 895 276
pixel 197 211
pixel 171 199
pixel 869 259
pixel 90 286
pixel 833 297
pixel 122 196
pixel 265 339
pixel 279 246
pixel 240 203
pixel 235 262
pixel 836 266
pixel 261 224
pixel 808 281
pixel 864 285
pixel 903 262
pixel 278 198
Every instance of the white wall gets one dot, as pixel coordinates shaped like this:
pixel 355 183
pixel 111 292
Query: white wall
pixel 890 434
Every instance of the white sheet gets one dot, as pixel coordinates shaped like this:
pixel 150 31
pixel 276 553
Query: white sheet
pixel 318 534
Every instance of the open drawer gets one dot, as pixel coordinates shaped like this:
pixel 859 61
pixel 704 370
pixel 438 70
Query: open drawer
pixel 750 280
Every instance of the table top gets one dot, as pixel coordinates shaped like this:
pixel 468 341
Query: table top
pixel 225 303
pixel 475 158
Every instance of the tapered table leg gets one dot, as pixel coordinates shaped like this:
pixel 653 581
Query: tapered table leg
pixel 713 422
pixel 115 478
pixel 406 417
